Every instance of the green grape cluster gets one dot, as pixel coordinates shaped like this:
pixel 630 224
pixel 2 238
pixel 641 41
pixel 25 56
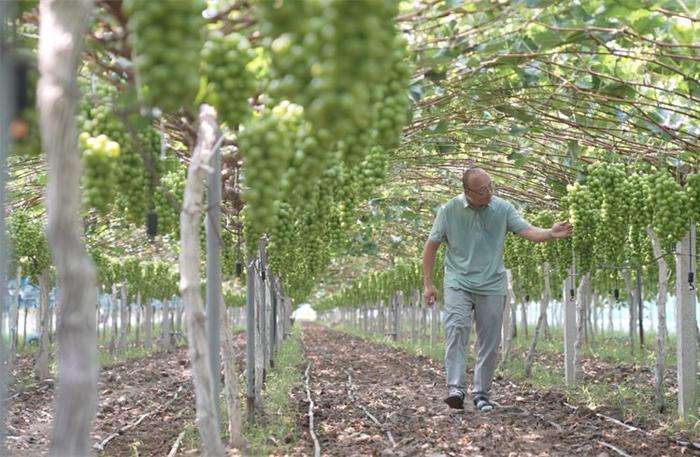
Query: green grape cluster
pixel 100 156
pixel 266 145
pixel 306 165
pixel 526 268
pixel 168 200
pixel 293 36
pixel 583 216
pixel 693 191
pixel 371 172
pixel 546 252
pixel 135 178
pixel 607 185
pixel 158 280
pixel 166 39
pixel 132 191
pixel 229 83
pixel 282 237
pixel 669 208
pixel 103 264
pixel 133 275
pixel 357 38
pixel 345 63
pixel 149 280
pixel 29 245
pixel 391 98
pixel 637 192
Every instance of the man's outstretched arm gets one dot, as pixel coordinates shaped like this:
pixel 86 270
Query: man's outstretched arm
pixel 558 231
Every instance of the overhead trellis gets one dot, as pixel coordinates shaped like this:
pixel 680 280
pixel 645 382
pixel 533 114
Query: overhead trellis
pixel 532 90
pixel 527 89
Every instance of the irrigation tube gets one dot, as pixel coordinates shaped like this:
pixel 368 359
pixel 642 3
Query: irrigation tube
pixel 317 445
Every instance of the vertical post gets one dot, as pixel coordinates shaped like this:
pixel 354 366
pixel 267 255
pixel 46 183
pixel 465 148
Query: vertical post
pixel 250 338
pixel 685 323
pixel 273 323
pixel 434 316
pixel 213 230
pixel 569 304
pixel 641 306
pixel 6 115
pixel 263 306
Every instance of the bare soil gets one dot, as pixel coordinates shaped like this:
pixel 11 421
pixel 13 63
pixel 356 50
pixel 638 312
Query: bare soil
pixel 143 406
pixel 352 379
pixel 369 400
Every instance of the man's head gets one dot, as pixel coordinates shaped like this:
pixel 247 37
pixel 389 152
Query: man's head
pixel 478 187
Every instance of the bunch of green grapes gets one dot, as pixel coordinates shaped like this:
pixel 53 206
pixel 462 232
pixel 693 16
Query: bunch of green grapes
pixel 168 200
pixel 526 272
pixel 266 145
pixel 546 252
pixel 136 181
pixel 100 156
pixel 103 264
pixel 282 237
pixel 583 216
pixel 606 182
pixel 343 61
pixel 693 191
pixel 293 37
pixel 306 165
pixel 29 245
pixel 166 39
pixel 148 274
pixel 133 186
pixel 391 98
pixel 358 42
pixel 637 192
pixel 229 83
pixel 371 172
pixel 133 275
pixel 669 207
pixel 133 183
pixel 166 284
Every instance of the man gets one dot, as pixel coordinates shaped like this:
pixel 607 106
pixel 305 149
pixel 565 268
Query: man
pixel 474 225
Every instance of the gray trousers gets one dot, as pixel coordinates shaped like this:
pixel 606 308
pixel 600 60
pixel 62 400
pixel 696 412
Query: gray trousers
pixel 488 313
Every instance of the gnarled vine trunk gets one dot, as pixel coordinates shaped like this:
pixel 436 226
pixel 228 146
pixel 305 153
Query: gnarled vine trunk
pixel 62 28
pixel 546 294
pixel 662 331
pixel 190 222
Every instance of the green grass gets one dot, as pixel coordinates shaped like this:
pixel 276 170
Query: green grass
pixel 276 429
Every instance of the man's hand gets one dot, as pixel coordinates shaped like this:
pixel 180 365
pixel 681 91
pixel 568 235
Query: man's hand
pixel 430 295
pixel 561 230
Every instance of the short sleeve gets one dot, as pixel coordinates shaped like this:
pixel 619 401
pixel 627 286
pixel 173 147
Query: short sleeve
pixel 516 223
pixel 439 231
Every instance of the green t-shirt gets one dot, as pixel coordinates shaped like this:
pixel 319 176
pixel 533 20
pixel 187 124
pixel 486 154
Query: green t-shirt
pixel 475 242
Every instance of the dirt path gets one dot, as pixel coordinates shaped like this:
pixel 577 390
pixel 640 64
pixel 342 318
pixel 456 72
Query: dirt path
pixel 351 379
pixel 143 405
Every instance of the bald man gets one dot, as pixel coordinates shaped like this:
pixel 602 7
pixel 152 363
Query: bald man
pixel 474 226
